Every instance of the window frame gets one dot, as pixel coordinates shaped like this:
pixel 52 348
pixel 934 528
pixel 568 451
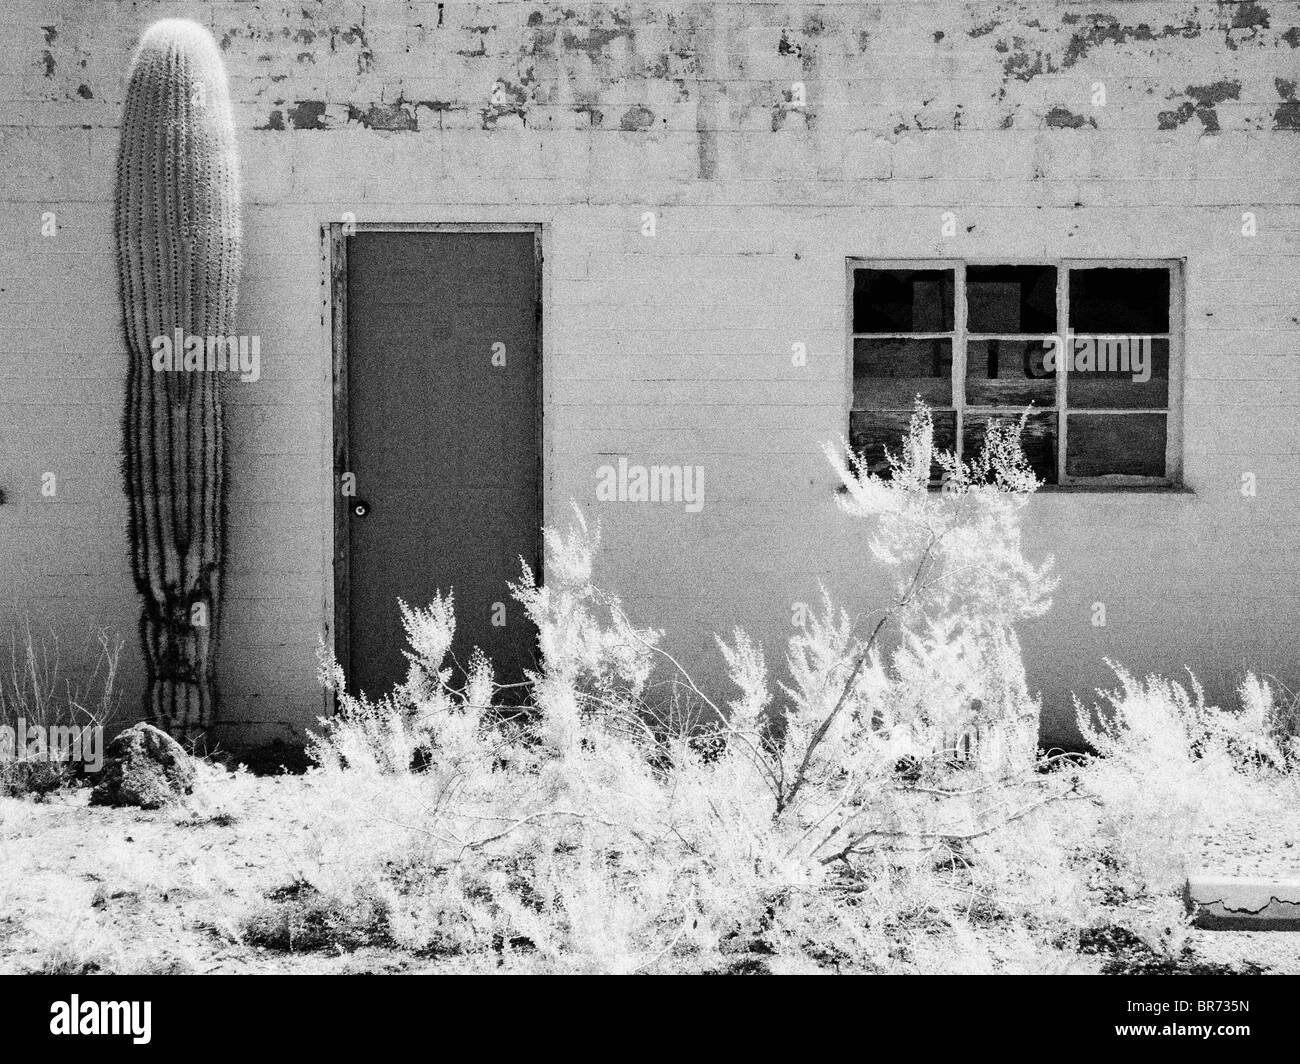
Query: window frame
pixel 960 336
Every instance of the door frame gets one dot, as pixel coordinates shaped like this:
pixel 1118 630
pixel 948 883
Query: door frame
pixel 335 252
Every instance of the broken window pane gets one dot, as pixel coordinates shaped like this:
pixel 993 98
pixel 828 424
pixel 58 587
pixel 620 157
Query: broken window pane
pixel 1009 373
pixel 902 301
pixel 888 374
pixel 1011 299
pixel 1120 300
pixel 1038 440
pixel 871 432
pixel 1101 445
pixel 1123 373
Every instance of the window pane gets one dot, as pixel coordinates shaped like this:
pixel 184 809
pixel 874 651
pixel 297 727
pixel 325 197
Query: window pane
pixel 1119 300
pixel 889 374
pixel 1128 373
pixel 1011 299
pixel 870 433
pixel 902 301
pixel 1101 445
pixel 1038 440
pixel 1009 373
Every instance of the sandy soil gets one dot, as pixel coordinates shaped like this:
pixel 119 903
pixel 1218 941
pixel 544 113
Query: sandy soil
pixel 127 890
pixel 1261 839
pixel 124 890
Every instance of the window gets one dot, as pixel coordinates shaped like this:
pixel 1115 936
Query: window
pixel 1092 347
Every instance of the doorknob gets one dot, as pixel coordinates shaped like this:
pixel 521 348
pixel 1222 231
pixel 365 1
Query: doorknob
pixel 360 508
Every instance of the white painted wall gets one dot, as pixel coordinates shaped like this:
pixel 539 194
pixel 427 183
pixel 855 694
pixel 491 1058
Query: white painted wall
pixel 676 348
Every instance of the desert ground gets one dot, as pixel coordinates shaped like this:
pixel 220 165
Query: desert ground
pixel 86 889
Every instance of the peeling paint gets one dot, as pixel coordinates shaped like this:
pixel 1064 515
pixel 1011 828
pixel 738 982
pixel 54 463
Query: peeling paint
pixel 1107 29
pixel 785 107
pixel 1249 15
pixel 1174 119
pixel 1204 99
pixel 395 117
pixel 355 35
pixel 636 118
pixel 1218 92
pixel 1287 115
pixel 802 50
pixel 1207 96
pixel 306 114
pixel 586 61
pixel 439 108
pixel 597 40
pixel 515 103
pixel 1020 65
pixel 1063 118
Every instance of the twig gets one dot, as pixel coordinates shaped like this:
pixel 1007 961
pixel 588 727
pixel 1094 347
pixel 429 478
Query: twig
pixel 478 844
pixel 686 916
pixel 786 798
pixel 944 836
pixel 773 781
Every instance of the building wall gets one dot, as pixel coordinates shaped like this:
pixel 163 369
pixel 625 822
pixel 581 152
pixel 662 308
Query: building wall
pixel 676 348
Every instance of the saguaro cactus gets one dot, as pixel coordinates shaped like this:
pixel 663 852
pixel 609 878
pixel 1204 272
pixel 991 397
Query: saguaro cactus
pixel 178 246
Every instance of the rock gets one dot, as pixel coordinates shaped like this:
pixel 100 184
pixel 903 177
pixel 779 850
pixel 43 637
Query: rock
pixel 145 767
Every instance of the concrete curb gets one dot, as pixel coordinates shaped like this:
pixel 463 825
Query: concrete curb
pixel 1237 903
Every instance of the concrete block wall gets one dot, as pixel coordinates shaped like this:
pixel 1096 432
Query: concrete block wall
pixel 771 141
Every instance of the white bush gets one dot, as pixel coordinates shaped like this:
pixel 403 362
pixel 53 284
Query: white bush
pixel 885 790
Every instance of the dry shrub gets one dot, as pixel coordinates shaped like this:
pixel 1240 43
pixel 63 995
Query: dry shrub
pixel 54 690
pixel 881 808
pixel 1168 760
